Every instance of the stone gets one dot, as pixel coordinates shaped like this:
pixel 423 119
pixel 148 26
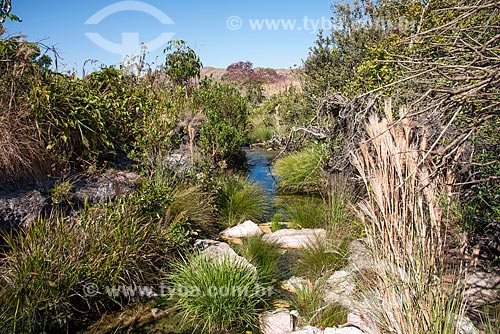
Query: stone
pixel 294 283
pixel 465 325
pixel 308 330
pixel 276 322
pixel 359 255
pixel 343 330
pixel 359 320
pixel 21 208
pixel 296 239
pixel 242 230
pixel 340 288
pixel 482 288
pixel 105 187
pixel 218 250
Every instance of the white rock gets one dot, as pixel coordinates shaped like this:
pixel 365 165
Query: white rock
pixel 308 330
pixel 276 322
pixel 344 330
pixel 291 238
pixel 294 283
pixel 243 230
pixel 465 326
pixel 220 250
pixel 340 288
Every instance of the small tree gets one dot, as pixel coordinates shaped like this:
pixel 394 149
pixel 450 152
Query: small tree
pixel 181 63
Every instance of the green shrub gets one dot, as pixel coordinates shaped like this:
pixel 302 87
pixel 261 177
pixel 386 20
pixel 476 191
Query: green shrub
pixel 321 258
pixel 217 295
pixel 313 310
pixel 305 212
pixel 226 111
pixel 238 199
pixel 61 192
pixel 260 134
pixel 265 256
pixel 300 171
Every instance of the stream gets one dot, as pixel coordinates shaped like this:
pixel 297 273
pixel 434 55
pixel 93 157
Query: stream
pixel 259 164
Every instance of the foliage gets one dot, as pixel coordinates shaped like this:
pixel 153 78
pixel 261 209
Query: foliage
pixel 300 171
pixel 238 199
pixel 304 211
pixel 217 294
pixel 49 266
pixel 5 8
pixel 224 131
pixel 61 192
pixel 260 134
pixel 321 258
pixel 313 310
pixel 181 63
pixel 265 256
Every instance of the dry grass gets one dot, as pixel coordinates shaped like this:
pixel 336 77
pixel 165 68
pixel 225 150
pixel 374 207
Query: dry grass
pixel 403 221
pixel 22 154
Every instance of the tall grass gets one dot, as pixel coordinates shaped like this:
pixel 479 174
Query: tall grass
pixel 217 295
pixel 300 171
pixel 304 211
pixel 407 292
pixel 265 256
pixel 313 310
pixel 238 199
pixel 47 267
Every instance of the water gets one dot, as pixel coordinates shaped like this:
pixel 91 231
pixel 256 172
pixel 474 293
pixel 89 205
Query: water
pixel 260 169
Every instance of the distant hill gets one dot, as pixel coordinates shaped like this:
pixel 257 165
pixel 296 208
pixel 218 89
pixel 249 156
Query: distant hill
pixel 269 89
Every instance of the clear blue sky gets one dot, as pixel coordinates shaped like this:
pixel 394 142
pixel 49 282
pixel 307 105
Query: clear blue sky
pixel 205 25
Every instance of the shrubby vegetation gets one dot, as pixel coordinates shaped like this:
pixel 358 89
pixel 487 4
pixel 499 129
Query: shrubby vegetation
pixel 392 135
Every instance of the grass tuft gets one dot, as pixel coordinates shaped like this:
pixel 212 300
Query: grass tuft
pixel 300 171
pixel 217 295
pixel 265 256
pixel 239 199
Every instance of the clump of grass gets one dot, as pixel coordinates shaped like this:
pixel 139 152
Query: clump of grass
pixel 217 295
pixel 61 192
pixel 260 134
pixel 405 232
pixel 313 310
pixel 276 222
pixel 265 256
pixel 321 258
pixel 238 199
pixel 300 171
pixel 305 212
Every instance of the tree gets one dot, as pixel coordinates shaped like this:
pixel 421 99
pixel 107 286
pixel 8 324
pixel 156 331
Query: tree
pixel 181 63
pixel 5 8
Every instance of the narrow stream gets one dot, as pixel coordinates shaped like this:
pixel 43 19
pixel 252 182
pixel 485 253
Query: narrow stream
pixel 260 169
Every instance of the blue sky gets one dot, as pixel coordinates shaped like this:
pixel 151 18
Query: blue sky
pixel 221 32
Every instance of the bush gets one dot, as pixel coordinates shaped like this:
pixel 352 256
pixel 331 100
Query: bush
pixel 226 112
pixel 217 295
pixel 265 256
pixel 238 199
pixel 300 171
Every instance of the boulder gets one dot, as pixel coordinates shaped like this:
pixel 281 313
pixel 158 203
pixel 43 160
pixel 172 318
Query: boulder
pixel 105 187
pixel 21 208
pixel 217 250
pixel 242 230
pixel 294 283
pixel 340 288
pixel 483 288
pixel 276 322
pixel 296 239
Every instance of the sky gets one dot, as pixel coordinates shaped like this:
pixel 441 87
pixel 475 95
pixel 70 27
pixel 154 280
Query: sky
pixel 269 33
